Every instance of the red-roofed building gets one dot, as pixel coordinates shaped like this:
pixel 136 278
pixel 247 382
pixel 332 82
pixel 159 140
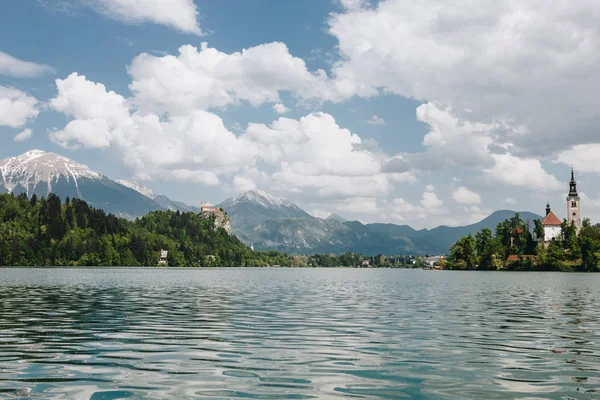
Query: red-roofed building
pixel 551 225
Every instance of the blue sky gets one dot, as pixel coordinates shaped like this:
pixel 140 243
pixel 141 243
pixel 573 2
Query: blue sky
pixel 423 114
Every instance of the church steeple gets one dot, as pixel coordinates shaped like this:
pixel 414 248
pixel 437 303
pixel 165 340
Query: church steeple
pixel 572 185
pixel 573 203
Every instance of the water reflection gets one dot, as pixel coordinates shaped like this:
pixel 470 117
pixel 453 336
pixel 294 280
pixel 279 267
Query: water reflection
pixel 278 334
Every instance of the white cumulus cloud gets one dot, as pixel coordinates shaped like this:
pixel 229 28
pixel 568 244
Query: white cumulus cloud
pixel 533 63
pixel 16 107
pixel 280 108
pixel 515 171
pixel 584 158
pixel 464 196
pixel 206 77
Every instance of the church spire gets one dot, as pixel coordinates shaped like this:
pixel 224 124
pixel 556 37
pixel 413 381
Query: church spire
pixel 572 184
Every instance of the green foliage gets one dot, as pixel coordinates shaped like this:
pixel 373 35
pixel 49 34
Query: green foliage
pixel 514 240
pixel 40 232
pixel 463 254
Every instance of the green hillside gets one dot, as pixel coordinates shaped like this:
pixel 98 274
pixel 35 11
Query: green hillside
pixel 47 232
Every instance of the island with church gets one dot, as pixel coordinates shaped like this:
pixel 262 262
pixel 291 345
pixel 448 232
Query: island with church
pixel 549 244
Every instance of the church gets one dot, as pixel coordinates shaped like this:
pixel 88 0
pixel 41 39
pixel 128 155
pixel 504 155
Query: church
pixel 552 223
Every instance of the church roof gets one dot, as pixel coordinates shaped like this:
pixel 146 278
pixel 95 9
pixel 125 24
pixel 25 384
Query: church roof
pixel 551 219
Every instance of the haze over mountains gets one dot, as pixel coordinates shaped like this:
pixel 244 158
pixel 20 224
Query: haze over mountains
pixel 258 218
pixel 272 223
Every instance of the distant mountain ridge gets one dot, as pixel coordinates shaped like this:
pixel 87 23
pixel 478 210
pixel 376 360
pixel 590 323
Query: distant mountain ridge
pixel 274 223
pixel 258 218
pixel 40 173
pixel 255 207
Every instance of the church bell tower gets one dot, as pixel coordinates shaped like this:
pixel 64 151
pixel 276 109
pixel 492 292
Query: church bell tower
pixel 573 203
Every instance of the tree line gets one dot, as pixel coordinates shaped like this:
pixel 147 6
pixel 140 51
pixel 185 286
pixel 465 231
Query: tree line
pixel 49 232
pixel 518 245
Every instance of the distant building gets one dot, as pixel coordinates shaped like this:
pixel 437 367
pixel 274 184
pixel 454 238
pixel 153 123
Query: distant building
pixel 573 203
pixel 515 257
pixel 164 258
pixel 515 236
pixel 551 225
pixel 208 209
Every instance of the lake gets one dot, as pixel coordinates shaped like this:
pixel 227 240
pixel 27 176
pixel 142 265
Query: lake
pixel 148 333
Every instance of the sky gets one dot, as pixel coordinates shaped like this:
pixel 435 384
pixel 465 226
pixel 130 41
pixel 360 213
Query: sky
pixel 420 113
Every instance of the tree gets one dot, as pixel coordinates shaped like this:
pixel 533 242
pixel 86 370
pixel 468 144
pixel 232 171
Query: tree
pixel 463 254
pixel 538 230
pixel 589 241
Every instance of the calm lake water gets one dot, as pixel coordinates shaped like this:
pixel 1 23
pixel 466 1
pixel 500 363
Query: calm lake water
pixel 298 334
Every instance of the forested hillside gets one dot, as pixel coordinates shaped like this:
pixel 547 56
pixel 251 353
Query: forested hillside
pixel 48 232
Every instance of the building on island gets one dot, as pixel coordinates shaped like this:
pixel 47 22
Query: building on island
pixel 515 236
pixel 164 258
pixel 551 225
pixel 573 203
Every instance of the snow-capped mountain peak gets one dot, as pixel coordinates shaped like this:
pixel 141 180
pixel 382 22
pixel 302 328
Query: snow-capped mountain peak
pixel 138 187
pixel 37 166
pixel 262 198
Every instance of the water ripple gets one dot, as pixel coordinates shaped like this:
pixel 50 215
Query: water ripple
pixel 297 334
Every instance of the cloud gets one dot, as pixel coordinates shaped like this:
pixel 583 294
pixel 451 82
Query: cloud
pixel 195 148
pixel 315 153
pixel 312 154
pixel 451 141
pixel 178 14
pixel 430 202
pixel 400 210
pixel 357 205
pixel 11 66
pixel 16 107
pixel 207 78
pixel 510 200
pixel 395 164
pixel 499 61
pixel 280 108
pixel 375 120
pixel 584 158
pixel 243 184
pixel 514 171
pixel 464 196
pixel 23 136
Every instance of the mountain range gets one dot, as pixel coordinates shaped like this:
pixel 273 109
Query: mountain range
pixel 40 173
pixel 257 218
pixel 273 223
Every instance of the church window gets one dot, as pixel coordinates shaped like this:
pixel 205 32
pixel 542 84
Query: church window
pixel 573 204
pixel 574 214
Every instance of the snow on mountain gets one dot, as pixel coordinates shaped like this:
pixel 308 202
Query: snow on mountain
pixel 138 187
pixel 40 173
pixel 254 207
pixel 262 198
pixel 36 166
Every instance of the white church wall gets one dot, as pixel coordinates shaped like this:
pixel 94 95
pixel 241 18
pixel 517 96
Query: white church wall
pixel 551 232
